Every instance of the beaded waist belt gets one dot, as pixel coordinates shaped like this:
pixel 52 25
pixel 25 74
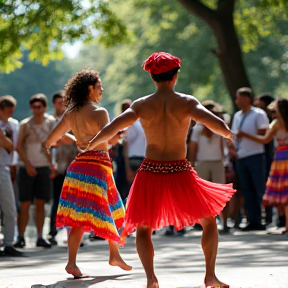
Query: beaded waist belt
pixel 165 166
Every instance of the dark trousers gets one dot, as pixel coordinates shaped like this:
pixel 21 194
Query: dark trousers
pixel 57 188
pixel 251 175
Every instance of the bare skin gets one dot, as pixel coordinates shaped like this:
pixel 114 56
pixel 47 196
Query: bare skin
pixel 85 122
pixel 165 117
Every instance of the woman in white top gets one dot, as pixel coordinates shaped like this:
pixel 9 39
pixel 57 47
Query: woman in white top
pixel 206 149
pixel 206 154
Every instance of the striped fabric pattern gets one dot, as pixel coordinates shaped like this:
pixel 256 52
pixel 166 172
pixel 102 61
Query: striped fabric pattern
pixel 277 184
pixel 89 198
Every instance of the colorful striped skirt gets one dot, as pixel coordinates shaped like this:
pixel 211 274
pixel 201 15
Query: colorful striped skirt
pixel 89 198
pixel 276 193
pixel 171 193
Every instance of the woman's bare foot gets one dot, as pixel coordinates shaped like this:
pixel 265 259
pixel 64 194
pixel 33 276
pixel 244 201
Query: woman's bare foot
pixel 74 270
pixel 153 283
pixel 285 231
pixel 213 282
pixel 118 261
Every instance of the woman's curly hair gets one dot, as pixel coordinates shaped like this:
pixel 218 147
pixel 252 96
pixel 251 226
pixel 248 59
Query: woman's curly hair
pixel 283 110
pixel 76 89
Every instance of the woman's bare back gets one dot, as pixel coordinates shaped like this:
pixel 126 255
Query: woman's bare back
pixel 86 122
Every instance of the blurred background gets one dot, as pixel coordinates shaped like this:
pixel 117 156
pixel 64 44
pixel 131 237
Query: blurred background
pixel 223 45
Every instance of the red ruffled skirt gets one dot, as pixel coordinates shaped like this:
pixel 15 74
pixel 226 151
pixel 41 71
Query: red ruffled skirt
pixel 171 193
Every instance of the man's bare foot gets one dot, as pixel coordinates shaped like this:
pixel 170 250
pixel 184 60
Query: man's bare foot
pixel 118 261
pixel 213 282
pixel 74 270
pixel 153 283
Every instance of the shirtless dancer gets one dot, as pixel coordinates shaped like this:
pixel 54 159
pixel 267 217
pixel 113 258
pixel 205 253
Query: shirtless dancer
pixel 89 200
pixel 178 197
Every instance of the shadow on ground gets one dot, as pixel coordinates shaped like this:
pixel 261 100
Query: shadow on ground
pixel 83 283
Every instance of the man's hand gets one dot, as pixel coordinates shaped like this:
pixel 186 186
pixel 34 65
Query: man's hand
pixel 130 175
pixel 31 171
pixel 13 172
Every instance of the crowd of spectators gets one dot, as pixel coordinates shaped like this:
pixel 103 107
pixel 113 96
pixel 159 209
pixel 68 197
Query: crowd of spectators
pixel 29 175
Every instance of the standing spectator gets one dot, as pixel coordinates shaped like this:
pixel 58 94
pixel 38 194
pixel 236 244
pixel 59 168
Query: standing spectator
pixel 64 155
pixel 277 186
pixel 207 149
pixel 34 173
pixel 263 102
pixel 120 175
pixel 250 162
pixel 8 140
pixel 281 213
pixel 206 153
pixel 134 149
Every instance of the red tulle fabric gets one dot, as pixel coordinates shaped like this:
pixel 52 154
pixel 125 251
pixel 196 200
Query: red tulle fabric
pixel 161 62
pixel 179 198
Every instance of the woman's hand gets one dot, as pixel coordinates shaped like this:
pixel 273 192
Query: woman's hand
pixel 240 134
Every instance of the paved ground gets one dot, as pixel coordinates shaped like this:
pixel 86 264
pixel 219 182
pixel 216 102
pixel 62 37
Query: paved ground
pixel 245 260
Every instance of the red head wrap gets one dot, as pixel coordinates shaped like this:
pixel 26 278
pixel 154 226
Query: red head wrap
pixel 161 62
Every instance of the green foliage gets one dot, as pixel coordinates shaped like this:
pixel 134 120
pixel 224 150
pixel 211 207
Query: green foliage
pixel 33 78
pixel 170 28
pixel 258 19
pixel 43 26
pixel 164 26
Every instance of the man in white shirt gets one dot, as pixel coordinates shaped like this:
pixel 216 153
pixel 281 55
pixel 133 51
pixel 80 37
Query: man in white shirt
pixel 134 149
pixel 9 132
pixel 250 162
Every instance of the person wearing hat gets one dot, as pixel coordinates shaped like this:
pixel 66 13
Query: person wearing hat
pixel 8 157
pixel 166 189
pixel 207 153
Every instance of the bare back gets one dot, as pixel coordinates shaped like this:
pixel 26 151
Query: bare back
pixel 87 121
pixel 165 120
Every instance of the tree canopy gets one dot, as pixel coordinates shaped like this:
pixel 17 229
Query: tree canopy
pixel 168 26
pixel 42 27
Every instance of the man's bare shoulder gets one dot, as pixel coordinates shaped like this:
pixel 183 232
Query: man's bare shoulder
pixel 189 100
pixel 187 97
pixel 137 104
pixel 142 100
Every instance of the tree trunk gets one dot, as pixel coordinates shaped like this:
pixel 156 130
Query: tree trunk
pixel 229 52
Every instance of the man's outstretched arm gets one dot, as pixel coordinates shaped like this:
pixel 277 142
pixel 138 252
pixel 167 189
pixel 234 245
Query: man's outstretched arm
pixel 124 120
pixel 200 114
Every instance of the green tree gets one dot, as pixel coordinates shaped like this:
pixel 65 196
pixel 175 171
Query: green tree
pixel 33 78
pixel 253 19
pixel 42 26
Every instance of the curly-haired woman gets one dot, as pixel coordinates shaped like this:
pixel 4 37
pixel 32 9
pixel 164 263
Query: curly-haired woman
pixel 89 200
pixel 277 184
